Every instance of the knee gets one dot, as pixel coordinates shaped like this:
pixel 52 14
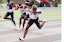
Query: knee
pixel 27 27
pixel 4 17
pixel 39 27
pixel 25 18
pixel 20 18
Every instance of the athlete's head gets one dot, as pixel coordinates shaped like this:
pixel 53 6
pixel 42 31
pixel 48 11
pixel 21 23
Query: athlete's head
pixel 19 4
pixel 11 2
pixel 34 9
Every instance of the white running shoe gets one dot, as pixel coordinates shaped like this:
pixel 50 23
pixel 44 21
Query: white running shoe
pixel 22 39
pixel 16 27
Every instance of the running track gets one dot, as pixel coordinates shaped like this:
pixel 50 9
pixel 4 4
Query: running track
pixel 51 32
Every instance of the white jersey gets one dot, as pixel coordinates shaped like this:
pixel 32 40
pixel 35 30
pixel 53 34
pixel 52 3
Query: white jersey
pixel 22 10
pixel 33 16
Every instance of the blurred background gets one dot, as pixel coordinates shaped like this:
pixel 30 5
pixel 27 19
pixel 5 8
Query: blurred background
pixel 49 3
pixel 50 8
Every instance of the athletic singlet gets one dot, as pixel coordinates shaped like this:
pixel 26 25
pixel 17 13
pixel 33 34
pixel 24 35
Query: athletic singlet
pixel 33 16
pixel 22 10
pixel 10 7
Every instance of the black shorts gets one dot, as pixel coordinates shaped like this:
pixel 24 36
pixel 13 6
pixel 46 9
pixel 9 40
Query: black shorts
pixel 31 21
pixel 23 15
pixel 10 13
pixel 27 15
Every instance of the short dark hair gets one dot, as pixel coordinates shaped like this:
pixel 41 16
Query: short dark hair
pixel 34 8
pixel 19 4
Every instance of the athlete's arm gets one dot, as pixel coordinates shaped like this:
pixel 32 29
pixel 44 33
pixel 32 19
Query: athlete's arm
pixel 17 8
pixel 38 12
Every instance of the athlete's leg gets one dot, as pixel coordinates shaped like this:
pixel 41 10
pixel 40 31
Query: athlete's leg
pixel 28 26
pixel 12 18
pixel 6 16
pixel 43 22
pixel 38 24
pixel 25 18
pixel 22 17
pixel 20 21
pixel 26 30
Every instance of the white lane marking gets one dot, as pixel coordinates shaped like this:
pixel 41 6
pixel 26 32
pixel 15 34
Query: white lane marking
pixel 57 41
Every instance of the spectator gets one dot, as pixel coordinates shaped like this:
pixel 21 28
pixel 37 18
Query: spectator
pixel 44 2
pixel 47 3
pixel 56 3
pixel 30 3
